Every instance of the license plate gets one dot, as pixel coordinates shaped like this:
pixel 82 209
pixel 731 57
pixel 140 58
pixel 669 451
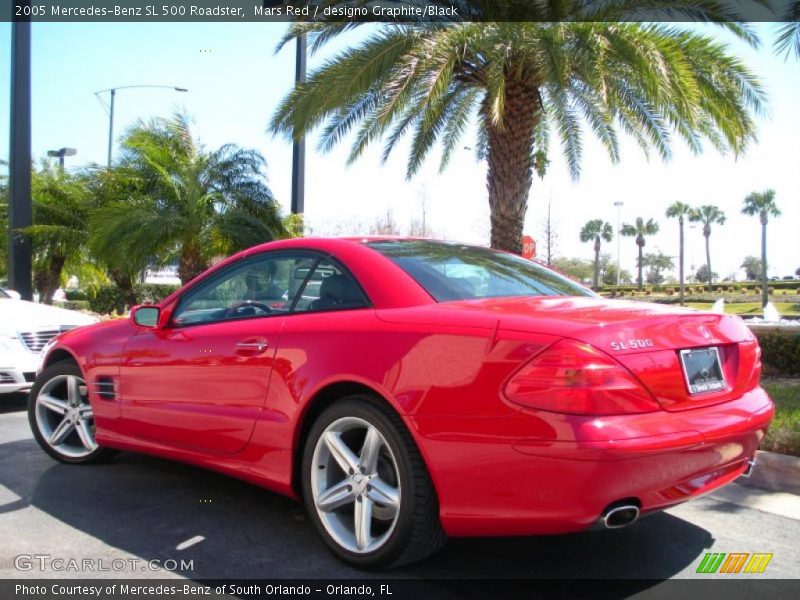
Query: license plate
pixel 702 370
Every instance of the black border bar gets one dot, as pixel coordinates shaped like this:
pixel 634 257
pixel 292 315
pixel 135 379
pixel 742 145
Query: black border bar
pixel 431 11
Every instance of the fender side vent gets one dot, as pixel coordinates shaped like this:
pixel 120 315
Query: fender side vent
pixel 105 388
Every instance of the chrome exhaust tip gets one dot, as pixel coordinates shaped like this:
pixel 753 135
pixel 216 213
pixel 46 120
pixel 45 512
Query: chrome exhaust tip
pixel 621 516
pixel 751 464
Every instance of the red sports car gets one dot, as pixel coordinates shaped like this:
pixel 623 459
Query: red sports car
pixel 408 390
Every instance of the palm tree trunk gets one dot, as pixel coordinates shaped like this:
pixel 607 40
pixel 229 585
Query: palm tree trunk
pixel 47 280
pixel 764 277
pixel 190 264
pixel 639 281
pixel 708 262
pixel 596 264
pixel 510 164
pixel 125 284
pixel 680 263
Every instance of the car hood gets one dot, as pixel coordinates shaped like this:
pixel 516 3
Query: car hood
pixel 21 315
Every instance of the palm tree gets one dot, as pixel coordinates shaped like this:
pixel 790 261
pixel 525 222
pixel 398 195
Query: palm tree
pixel 708 214
pixel 519 80
pixel 107 187
pixel 680 211
pixel 594 230
pixel 61 206
pixel 640 230
pixel 789 32
pixel 184 202
pixel 657 263
pixel 763 205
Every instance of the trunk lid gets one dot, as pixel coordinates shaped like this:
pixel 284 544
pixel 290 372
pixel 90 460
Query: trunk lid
pixel 645 338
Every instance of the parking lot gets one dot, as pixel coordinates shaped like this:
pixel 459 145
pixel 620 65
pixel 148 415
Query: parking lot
pixel 141 508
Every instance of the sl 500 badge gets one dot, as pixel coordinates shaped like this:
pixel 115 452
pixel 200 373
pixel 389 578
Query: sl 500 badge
pixel 632 344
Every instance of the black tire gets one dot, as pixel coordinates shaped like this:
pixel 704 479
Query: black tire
pixel 418 532
pixel 59 370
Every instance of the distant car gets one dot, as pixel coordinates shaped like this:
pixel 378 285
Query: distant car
pixel 25 327
pixel 411 389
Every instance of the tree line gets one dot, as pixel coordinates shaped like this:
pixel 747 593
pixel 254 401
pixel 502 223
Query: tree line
pixel 760 204
pixel 166 199
pixel 517 83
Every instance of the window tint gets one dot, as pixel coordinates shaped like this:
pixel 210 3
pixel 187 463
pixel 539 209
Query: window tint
pixel 329 288
pixel 450 271
pixel 259 286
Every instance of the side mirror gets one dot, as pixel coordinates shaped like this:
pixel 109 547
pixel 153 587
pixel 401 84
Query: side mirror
pixel 146 315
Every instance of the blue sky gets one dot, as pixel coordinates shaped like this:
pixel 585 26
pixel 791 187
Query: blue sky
pixel 235 80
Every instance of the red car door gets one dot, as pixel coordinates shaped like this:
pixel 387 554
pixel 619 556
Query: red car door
pixel 201 381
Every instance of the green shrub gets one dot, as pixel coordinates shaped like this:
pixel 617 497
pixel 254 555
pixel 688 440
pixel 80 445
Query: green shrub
pixel 665 299
pixel 780 353
pixel 107 299
pixel 151 293
pixel 669 291
pixel 76 295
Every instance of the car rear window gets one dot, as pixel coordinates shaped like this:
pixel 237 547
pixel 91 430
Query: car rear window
pixel 451 271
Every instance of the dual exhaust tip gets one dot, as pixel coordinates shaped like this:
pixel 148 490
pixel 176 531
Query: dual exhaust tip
pixel 620 516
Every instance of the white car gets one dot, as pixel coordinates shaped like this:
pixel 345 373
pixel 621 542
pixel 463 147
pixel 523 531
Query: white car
pixel 25 327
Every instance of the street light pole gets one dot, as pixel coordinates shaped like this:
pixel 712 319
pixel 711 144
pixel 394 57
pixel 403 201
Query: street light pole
pixel 618 204
pixel 299 146
pixel 20 212
pixel 60 154
pixel 113 94
pixel 111 126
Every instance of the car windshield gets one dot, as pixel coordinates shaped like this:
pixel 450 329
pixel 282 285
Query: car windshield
pixel 450 271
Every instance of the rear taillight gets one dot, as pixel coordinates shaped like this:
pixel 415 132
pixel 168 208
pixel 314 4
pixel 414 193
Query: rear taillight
pixel 755 375
pixel 577 378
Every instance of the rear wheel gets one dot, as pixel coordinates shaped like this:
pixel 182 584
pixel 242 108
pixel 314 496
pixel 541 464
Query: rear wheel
pixel 366 487
pixel 61 417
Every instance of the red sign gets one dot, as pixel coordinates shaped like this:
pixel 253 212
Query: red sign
pixel 528 247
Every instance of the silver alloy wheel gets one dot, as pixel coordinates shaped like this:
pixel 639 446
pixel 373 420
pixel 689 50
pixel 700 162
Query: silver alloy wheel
pixel 356 493
pixel 64 416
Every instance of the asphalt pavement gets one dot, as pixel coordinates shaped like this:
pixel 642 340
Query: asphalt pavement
pixel 137 509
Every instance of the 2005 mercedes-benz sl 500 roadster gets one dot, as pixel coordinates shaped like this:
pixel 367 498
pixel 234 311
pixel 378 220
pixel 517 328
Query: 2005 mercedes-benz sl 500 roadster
pixel 409 390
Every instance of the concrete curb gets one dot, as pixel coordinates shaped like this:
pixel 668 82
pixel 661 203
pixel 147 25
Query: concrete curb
pixel 774 472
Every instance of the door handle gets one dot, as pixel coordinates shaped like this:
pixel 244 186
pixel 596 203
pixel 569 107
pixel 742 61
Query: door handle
pixel 257 346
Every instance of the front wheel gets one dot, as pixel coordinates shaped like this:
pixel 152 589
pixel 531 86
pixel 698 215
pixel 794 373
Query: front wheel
pixel 61 417
pixel 366 487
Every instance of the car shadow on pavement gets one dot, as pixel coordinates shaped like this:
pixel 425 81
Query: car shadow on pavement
pixel 148 507
pixel 13 403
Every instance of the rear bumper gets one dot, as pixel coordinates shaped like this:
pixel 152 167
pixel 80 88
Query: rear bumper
pixel 524 486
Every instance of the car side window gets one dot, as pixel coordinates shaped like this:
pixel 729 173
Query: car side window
pixel 260 286
pixel 328 287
